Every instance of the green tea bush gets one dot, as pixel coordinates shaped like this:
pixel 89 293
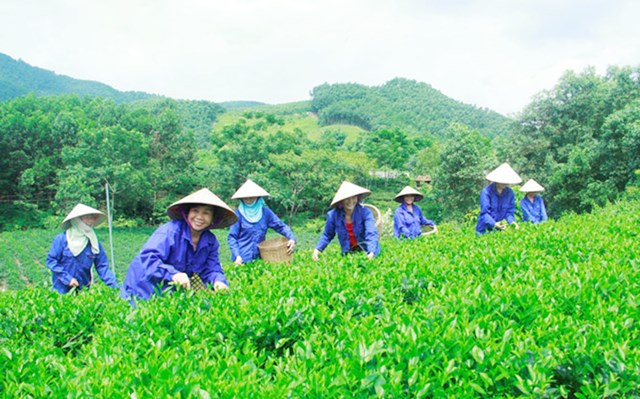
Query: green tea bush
pixel 549 310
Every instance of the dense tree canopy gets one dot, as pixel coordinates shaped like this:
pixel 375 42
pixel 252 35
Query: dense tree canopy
pixel 18 78
pixel 464 160
pixel 61 150
pixel 403 104
pixel 581 140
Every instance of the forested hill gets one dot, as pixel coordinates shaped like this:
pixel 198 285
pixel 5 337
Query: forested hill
pixel 18 78
pixel 401 104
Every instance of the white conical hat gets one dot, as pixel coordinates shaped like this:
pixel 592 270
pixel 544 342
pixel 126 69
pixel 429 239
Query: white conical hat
pixel 408 191
pixel 348 190
pixel 504 174
pixel 250 189
pixel 82 210
pixel 222 217
pixel 531 186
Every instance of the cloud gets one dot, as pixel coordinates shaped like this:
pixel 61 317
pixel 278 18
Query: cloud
pixel 495 53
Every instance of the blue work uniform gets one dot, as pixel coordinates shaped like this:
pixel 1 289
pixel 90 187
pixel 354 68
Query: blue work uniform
pixel 169 251
pixel 64 266
pixel 494 208
pixel 406 224
pixel 245 236
pixel 533 212
pixel 364 229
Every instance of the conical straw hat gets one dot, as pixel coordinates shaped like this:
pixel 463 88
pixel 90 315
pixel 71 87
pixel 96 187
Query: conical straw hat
pixel 408 191
pixel 504 174
pixel 531 186
pixel 82 210
pixel 222 217
pixel 250 189
pixel 348 190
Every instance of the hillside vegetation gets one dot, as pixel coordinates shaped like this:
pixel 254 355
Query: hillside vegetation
pixel 548 310
pixel 17 78
pixel 403 104
pixel 580 140
pixel 294 118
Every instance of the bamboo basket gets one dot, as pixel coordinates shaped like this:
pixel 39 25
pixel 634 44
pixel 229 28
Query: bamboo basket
pixel 377 216
pixel 275 250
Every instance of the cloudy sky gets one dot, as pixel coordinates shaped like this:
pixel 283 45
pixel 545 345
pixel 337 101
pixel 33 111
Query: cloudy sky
pixel 491 53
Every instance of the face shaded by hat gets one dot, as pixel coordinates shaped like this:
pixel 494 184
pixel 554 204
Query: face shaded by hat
pixel 250 190
pixel 531 186
pixel 504 174
pixel 223 216
pixel 408 191
pixel 348 190
pixel 83 210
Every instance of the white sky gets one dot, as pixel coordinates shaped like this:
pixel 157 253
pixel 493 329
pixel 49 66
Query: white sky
pixel 491 53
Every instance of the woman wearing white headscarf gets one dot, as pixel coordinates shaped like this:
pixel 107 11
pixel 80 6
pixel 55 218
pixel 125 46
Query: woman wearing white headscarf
pixel 254 219
pixel 532 205
pixel 76 250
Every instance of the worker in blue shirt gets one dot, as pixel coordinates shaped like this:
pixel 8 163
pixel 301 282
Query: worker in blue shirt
pixel 408 218
pixel 497 201
pixel 181 250
pixel 254 219
pixel 74 252
pixel 351 221
pixel 532 205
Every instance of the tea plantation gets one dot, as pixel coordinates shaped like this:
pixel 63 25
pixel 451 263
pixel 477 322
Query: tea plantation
pixel 548 310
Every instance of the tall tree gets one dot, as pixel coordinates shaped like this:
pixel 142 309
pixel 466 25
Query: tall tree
pixel 583 129
pixel 465 159
pixel 390 148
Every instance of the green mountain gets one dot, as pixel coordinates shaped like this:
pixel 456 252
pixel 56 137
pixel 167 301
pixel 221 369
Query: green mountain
pixel 18 78
pixel 404 104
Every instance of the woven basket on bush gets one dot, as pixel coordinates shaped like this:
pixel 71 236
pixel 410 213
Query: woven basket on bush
pixel 377 216
pixel 275 250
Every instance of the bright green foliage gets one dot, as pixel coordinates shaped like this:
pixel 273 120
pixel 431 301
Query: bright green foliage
pixel 581 138
pixel 297 118
pixel 390 148
pixel 299 177
pixel 296 184
pixel 196 117
pixel 403 104
pixel 460 177
pixel 58 151
pixel 548 310
pixel 17 78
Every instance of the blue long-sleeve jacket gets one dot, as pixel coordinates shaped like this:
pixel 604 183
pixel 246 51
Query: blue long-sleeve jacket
pixel 169 251
pixel 364 229
pixel 407 224
pixel 64 266
pixel 244 237
pixel 533 212
pixel 494 208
